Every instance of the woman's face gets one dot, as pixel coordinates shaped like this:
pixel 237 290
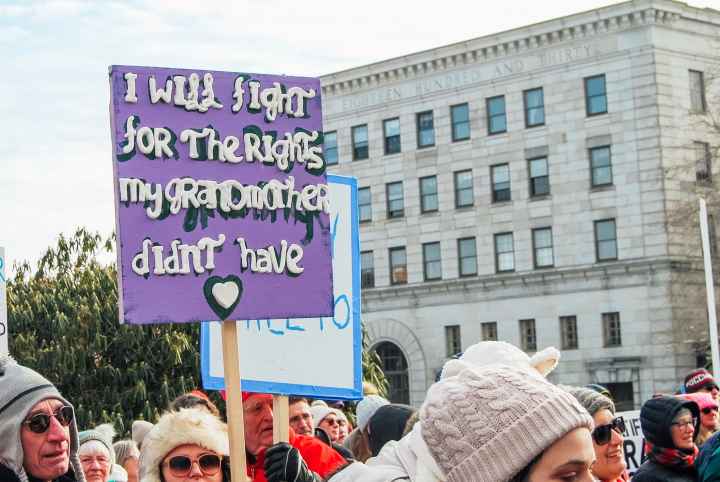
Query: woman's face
pixel 709 418
pixel 609 458
pixel 567 460
pixel 199 471
pixel 343 430
pixel 331 427
pixel 132 469
pixel 682 430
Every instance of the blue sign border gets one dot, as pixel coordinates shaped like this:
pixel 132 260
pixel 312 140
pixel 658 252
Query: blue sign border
pixel 312 391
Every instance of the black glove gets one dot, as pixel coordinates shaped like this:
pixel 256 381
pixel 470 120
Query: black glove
pixel 283 463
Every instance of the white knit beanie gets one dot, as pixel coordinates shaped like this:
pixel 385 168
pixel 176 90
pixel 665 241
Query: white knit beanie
pixel 367 407
pixel 189 426
pixel 486 424
pixel 319 412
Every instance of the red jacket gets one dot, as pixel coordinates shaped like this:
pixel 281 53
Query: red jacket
pixel 320 458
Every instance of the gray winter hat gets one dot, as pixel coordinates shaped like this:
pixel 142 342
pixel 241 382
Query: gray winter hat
pixel 102 433
pixel 591 400
pixel 20 390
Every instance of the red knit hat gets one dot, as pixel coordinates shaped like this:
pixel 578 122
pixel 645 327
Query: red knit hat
pixel 246 395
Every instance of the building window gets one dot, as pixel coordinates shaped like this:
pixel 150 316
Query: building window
pixel 500 175
pixel 395 368
pixel 398 266
pixel 600 166
pixel 360 142
pixel 460 118
pixel 595 95
pixel 432 265
pixel 504 254
pixel 395 200
pixel 489 331
pixel 611 329
pixel 534 107
pixel 365 204
pixel 539 178
pixel 463 189
pixel 367 270
pixel 528 340
pixel 453 344
pixel 330 148
pixel 467 257
pixel 391 130
pixel 425 129
pixel 542 247
pixel 703 166
pixel 496 118
pixel 605 240
pixel 428 194
pixel 568 332
pixel 697 92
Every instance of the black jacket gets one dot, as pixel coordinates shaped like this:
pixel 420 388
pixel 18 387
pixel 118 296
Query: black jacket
pixel 656 416
pixel 7 475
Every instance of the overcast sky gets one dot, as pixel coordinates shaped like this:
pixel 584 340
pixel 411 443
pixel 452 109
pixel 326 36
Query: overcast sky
pixel 55 153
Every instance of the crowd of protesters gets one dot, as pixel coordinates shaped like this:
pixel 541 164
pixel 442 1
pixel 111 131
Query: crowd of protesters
pixel 492 416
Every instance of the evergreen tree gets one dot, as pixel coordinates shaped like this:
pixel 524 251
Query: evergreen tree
pixel 64 323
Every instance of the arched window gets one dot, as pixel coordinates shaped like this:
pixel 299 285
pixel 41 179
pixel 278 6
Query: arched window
pixel 395 368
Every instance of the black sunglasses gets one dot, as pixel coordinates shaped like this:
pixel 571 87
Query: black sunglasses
pixel 181 465
pixel 40 422
pixel 708 410
pixel 602 434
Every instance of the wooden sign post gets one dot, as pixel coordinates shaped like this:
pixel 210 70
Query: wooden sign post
pixel 235 418
pixel 281 419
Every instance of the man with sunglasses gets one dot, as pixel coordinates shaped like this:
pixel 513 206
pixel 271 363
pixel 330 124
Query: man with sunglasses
pixel 37 428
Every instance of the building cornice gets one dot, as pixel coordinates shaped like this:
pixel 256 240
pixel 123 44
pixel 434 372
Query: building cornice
pixel 581 26
pixel 612 275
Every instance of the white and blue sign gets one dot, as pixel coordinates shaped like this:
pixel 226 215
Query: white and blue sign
pixel 311 357
pixel 3 306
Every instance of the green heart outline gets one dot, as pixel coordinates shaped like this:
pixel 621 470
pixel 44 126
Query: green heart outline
pixel 223 313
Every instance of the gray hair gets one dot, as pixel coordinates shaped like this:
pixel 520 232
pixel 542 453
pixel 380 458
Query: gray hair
pixel 125 449
pixel 591 400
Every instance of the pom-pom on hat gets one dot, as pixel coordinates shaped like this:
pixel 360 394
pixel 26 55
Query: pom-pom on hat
pixel 499 352
pixel 188 426
pixel 367 407
pixel 486 424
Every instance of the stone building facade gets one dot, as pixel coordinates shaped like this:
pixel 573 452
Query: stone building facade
pixel 535 186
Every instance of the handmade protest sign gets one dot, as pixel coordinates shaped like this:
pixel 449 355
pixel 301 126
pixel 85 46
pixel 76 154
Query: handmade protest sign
pixel 3 306
pixel 313 357
pixel 634 442
pixel 222 203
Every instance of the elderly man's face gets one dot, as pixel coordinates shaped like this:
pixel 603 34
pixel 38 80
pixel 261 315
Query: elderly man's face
pixel 47 454
pixel 258 422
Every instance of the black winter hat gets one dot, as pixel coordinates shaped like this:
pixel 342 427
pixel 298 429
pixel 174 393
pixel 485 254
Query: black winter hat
pixel 388 423
pixel 657 414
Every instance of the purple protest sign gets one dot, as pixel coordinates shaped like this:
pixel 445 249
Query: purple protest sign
pixel 221 197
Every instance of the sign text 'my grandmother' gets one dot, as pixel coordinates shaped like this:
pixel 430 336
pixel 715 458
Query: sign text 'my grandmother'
pixel 222 203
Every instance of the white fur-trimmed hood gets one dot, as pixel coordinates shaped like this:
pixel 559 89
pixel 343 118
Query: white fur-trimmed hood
pixel 188 426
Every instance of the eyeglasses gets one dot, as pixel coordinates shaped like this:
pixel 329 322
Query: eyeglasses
pixel 181 465
pixel 685 424
pixel 603 433
pixel 709 410
pixel 40 422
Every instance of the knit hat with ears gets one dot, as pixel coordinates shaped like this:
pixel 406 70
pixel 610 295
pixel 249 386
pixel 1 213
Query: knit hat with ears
pixel 502 353
pixel 21 388
pixel 189 426
pixel 486 424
